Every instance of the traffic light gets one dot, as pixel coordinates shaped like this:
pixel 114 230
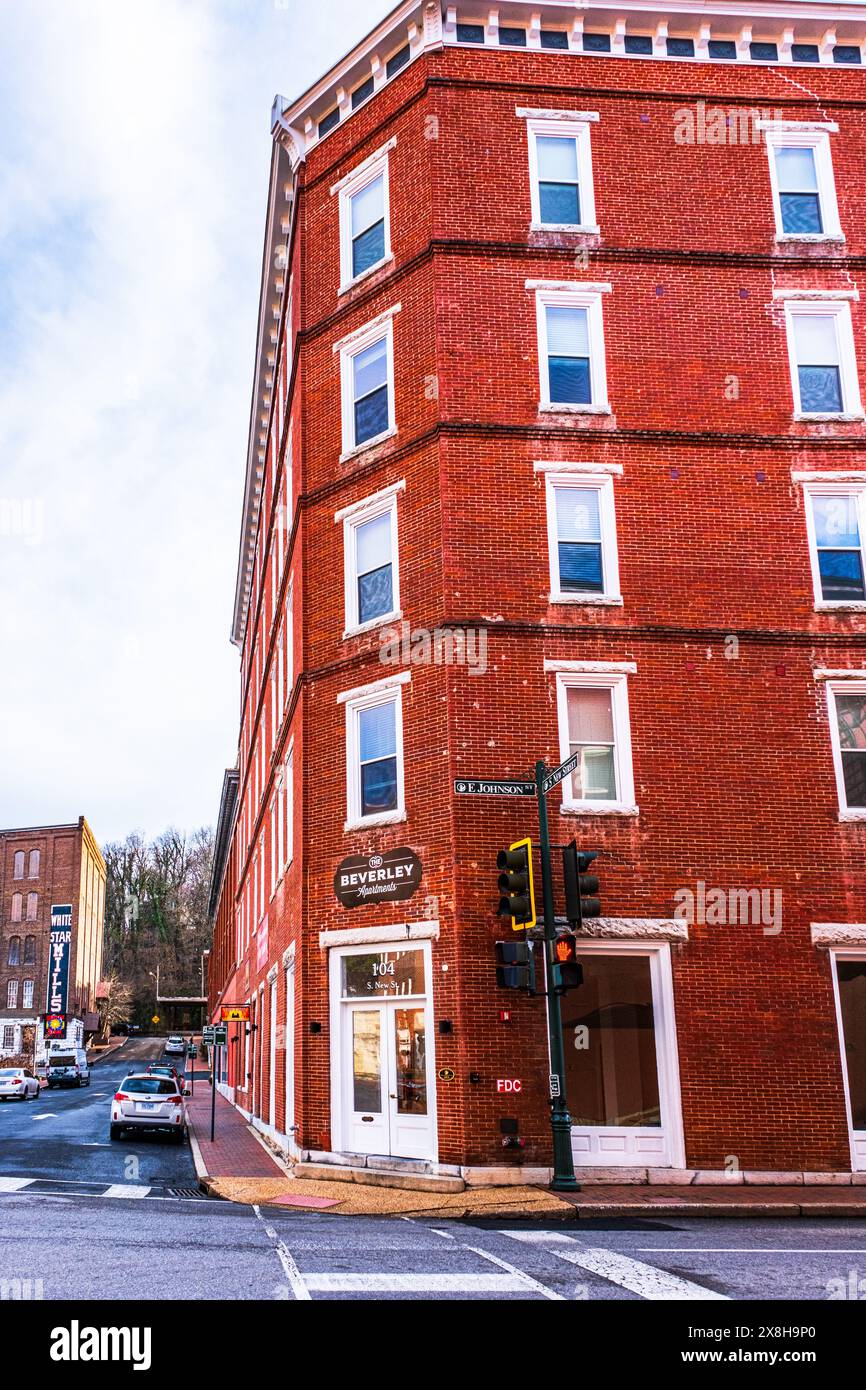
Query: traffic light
pixel 515 968
pixel 517 896
pixel 581 888
pixel 567 970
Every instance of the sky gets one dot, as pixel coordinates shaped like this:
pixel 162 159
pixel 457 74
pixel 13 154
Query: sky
pixel 134 160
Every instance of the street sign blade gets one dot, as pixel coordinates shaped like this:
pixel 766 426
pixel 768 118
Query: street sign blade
pixel 508 786
pixel 560 773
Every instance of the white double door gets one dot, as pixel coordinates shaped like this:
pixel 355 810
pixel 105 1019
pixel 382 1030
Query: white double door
pixel 388 1098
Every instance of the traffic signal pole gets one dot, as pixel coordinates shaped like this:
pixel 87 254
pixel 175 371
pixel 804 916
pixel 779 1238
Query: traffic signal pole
pixel 560 1119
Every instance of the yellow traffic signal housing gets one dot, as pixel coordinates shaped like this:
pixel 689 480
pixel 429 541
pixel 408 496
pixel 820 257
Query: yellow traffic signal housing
pixel 516 887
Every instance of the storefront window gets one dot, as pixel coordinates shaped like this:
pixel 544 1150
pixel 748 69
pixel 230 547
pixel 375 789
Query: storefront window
pixel 383 975
pixel 611 1065
pixel 852 1000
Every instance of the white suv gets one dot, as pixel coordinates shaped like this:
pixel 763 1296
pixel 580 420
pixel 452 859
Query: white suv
pixel 145 1101
pixel 175 1045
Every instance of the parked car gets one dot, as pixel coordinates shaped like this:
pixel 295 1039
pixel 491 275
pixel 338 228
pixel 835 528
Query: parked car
pixel 165 1069
pixel 17 1083
pixel 174 1045
pixel 133 1029
pixel 68 1067
pixel 145 1101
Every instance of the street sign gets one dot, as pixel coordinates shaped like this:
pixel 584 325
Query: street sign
pixel 555 1088
pixel 155 1018
pixel 215 1035
pixel 560 773
pixel 509 787
pixel 234 1013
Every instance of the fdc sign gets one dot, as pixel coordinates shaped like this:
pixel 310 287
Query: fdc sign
pixel 509 1085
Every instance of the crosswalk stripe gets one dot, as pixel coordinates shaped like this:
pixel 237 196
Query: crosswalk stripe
pixel 528 1281
pixel 14 1184
pixel 122 1189
pixel 414 1283
pixel 634 1275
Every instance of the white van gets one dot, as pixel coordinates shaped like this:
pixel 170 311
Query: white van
pixel 67 1066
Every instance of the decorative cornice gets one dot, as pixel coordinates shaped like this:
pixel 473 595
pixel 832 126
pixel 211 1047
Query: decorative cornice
pixel 838 934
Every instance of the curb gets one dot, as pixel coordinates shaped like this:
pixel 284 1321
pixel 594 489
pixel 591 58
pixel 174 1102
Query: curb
pixel 205 1181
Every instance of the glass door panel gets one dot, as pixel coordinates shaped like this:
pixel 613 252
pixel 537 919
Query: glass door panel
pixel 411 1060
pixel 367 1061
pixel 611 1070
pixel 852 1006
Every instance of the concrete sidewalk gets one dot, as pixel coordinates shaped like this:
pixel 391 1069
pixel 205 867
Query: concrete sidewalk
pixel 239 1167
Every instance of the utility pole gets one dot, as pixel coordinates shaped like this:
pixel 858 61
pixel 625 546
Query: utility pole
pixel 560 1119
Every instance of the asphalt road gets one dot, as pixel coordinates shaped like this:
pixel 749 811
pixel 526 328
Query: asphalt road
pixel 62 1135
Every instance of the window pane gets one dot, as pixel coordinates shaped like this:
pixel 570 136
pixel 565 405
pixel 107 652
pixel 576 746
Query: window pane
pixel 594 779
pixel 373 543
pixel 577 514
pixel 836 521
pixel 795 167
pixel 470 33
pixel 854 773
pixel 371 416
pixel 368 205
pixel 638 43
pixel 801 213
pixel 614 1079
pixel 366 1061
pixel 362 93
pixel 370 367
pixel 596 43
pixel 368 248
pixel 820 389
pixel 557 158
pixel 512 38
pixel 411 1060
pixel 559 203
pixel 554 38
pixel 384 973
pixel 681 48
pixel 815 339
pixel 568 332
pixel 851 715
pixel 841 575
pixel 580 568
pixel 375 594
pixel 590 715
pixel 379 786
pixel 377 731
pixel 570 380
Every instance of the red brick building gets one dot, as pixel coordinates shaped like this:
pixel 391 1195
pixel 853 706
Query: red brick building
pixel 557 446
pixel 52 900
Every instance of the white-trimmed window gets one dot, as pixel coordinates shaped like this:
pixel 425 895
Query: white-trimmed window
pixel 289 808
pixel 374 754
pixel 836 526
pixel 32 906
pixel 367 384
pixel 560 174
pixel 371 560
pixel 822 359
pixel 289 645
pixel 27 995
pixel 18 864
pixel 801 179
pixel 17 904
pixel 33 866
pixel 12 994
pixel 581 537
pixel 365 218
pixel 592 709
pixel 846 707
pixel 572 373
pixel 9 1031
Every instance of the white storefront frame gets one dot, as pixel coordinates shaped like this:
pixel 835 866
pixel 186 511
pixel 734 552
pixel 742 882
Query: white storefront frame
pixel 856 1137
pixel 586 1154
pixel 339 1008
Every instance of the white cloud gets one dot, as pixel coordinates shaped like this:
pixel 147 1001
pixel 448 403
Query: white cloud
pixel 133 178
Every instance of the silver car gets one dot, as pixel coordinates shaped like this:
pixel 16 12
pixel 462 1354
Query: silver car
pixel 145 1101
pixel 17 1083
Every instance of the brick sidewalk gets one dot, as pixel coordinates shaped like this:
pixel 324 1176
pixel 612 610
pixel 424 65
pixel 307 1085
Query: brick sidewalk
pixel 235 1152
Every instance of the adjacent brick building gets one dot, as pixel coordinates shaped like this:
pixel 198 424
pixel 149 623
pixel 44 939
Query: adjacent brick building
pixel 557 445
pixel 52 883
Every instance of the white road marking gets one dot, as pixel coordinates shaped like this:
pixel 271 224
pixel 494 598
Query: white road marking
pixel 645 1280
pixel 122 1189
pixel 740 1250
pixel 292 1273
pixel 49 1115
pixel 528 1280
pixel 415 1283
pixel 14 1184
pixel 537 1237
pixel 446 1235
